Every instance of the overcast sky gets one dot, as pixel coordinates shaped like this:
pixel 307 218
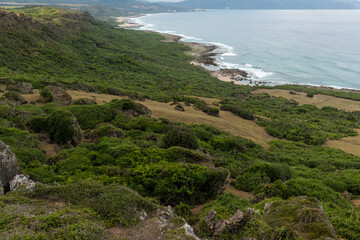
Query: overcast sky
pixel 167 0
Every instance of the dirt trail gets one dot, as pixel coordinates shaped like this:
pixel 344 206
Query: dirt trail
pixel 318 100
pixel 241 194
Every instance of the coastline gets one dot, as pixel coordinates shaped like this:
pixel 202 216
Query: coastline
pixel 203 53
pixel 205 56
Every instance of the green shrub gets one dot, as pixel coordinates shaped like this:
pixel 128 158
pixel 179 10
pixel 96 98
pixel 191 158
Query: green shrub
pixel 355 188
pixel 183 210
pixel 249 181
pixel 310 95
pixel 262 173
pixel 61 126
pixel 243 113
pixel 45 93
pixel 173 183
pixel 181 136
pixel 89 116
pixel 315 188
pixel 38 124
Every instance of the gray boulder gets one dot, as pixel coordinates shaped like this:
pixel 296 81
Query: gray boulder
pixel 14 98
pixel 21 181
pixel 56 94
pixel 9 167
pixel 232 224
pixel 22 87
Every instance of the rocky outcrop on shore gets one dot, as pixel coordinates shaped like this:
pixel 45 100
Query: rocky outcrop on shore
pixel 235 73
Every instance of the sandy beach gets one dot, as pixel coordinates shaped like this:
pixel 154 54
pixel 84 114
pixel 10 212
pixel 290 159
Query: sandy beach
pixel 124 24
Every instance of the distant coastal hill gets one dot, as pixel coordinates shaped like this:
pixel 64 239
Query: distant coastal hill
pixel 101 9
pixel 267 4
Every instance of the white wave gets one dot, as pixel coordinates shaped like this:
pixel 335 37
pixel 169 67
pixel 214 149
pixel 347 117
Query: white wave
pixel 169 32
pixel 254 72
pixel 229 54
pixel 258 73
pixel 187 38
pixel 228 65
pixel 143 25
pixel 225 50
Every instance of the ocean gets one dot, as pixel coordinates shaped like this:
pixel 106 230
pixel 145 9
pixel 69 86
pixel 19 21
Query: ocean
pixel 312 47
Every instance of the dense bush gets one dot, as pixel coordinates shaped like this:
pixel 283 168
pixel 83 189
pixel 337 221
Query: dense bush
pixel 174 183
pixel 262 173
pixel 181 136
pixel 38 124
pixel 183 210
pixel 315 188
pixel 89 116
pixel 61 126
pixel 46 94
pixel 243 113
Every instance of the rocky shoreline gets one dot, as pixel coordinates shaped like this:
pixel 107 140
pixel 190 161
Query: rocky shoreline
pixel 205 55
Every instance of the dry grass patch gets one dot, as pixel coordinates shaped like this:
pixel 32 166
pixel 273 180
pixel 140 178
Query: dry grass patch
pixel 226 121
pixel 318 100
pixel 349 144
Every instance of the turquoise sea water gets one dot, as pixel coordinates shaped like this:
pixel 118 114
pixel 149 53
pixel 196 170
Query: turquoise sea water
pixel 277 46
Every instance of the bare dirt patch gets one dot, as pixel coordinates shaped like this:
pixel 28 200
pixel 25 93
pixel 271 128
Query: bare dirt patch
pixel 356 203
pixel 348 144
pixel 51 149
pixel 318 100
pixel 241 194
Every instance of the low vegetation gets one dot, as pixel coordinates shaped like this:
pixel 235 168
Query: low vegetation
pixel 114 161
pixel 285 119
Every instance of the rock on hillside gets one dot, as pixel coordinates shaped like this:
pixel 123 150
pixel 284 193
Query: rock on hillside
pixel 9 167
pixel 22 87
pixel 13 99
pixel 307 214
pixel 57 95
pixel 21 181
pixel 163 224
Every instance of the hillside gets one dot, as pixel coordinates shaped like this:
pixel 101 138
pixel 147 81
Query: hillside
pixel 108 133
pixel 265 4
pixel 49 45
pixel 103 9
